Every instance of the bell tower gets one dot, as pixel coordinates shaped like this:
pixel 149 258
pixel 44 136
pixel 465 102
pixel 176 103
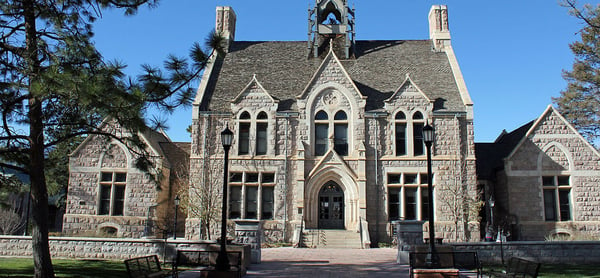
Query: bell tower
pixel 331 24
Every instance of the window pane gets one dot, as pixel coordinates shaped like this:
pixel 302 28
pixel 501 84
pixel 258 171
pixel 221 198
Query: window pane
pixel 268 177
pixel 120 177
pixel 401 139
pixel 563 180
pixel 417 116
pixel 410 178
pixel 262 116
pixel 548 180
pixel 106 177
pixel 104 199
pixel 235 202
pixel 321 115
pixel 400 116
pixel 244 145
pixel 261 138
pixel 119 200
pixel 341 138
pixel 321 141
pixel 424 178
pixel 424 204
pixel 267 202
pixel 251 177
pixel 410 198
pixel 340 115
pixel 394 178
pixel 245 116
pixel 564 197
pixel 235 177
pixel 251 202
pixel 393 203
pixel 550 205
pixel 418 143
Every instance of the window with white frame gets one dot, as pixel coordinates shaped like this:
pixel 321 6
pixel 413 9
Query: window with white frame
pixel 409 134
pixel 251 195
pixel 407 196
pixel 244 133
pixel 418 122
pixel 321 132
pixel 340 133
pixel 253 131
pixel 261 133
pixel 323 124
pixel 557 198
pixel 112 193
pixel 400 123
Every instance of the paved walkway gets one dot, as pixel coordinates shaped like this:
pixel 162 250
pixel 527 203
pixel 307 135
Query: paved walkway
pixel 318 263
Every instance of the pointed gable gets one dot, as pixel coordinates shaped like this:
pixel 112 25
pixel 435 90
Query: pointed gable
pixel 332 159
pixel 558 144
pixel 408 94
pixel 254 97
pixel 331 71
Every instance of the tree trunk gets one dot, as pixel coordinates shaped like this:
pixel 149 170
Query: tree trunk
pixel 39 194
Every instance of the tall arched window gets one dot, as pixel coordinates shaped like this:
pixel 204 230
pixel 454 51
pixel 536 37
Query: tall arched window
pixel 244 133
pixel 321 132
pixel 261 133
pixel 400 121
pixel 340 133
pixel 417 124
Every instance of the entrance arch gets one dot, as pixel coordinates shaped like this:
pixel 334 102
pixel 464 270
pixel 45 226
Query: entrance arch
pixel 331 206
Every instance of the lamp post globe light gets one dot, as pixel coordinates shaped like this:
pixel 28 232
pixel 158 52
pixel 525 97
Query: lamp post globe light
pixel 222 259
pixel 176 201
pixel 428 137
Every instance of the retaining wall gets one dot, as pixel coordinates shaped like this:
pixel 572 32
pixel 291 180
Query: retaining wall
pixel 99 248
pixel 551 252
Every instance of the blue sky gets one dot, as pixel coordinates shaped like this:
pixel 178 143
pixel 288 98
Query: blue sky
pixel 511 53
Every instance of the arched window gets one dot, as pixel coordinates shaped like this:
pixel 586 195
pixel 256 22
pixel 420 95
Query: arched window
pixel 400 122
pixel 417 123
pixel 244 133
pixel 340 132
pixel 261 133
pixel 321 132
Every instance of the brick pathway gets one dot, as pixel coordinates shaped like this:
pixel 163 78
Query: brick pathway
pixel 318 263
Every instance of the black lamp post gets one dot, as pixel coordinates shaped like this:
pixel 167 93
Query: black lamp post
pixel 222 259
pixel 175 222
pixel 428 137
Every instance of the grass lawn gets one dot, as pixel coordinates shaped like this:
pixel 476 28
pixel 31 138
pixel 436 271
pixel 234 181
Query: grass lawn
pixel 562 271
pixel 23 267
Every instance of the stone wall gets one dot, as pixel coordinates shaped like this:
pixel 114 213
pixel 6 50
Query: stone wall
pixel 98 248
pixel 559 252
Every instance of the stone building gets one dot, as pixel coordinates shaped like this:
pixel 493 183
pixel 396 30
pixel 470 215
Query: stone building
pixel 328 131
pixel 108 194
pixel 543 178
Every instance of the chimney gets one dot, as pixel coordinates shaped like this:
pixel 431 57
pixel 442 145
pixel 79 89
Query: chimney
pixel 225 24
pixel 438 27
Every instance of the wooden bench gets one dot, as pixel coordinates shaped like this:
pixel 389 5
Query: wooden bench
pixel 147 266
pixel 204 261
pixel 518 267
pixel 462 262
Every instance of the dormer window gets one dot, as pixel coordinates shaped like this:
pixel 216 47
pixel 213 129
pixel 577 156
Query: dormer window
pixel 400 122
pixel 409 134
pixel 253 134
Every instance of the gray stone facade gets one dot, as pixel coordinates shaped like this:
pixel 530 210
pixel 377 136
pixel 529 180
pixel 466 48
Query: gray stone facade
pixel 271 79
pixel 548 182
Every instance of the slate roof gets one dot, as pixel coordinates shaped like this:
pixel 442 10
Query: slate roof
pixel 178 155
pixel 490 156
pixel 380 67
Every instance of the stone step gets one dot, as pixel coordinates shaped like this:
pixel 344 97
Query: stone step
pixel 332 239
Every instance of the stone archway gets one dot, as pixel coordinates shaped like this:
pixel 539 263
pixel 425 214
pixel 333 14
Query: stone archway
pixel 331 206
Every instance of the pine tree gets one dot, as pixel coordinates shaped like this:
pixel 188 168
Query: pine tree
pixel 55 86
pixel 580 101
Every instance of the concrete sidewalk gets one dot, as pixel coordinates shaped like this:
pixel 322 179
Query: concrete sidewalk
pixel 317 263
